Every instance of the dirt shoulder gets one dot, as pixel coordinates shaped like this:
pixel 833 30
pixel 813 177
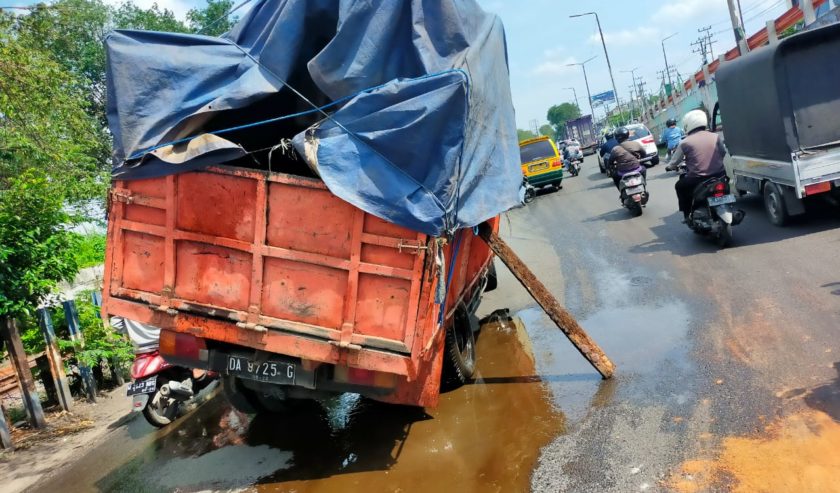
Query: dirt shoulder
pixel 41 453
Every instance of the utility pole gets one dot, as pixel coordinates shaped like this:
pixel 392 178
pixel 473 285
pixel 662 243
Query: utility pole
pixel 701 49
pixel 668 71
pixel 586 80
pixel 632 88
pixel 706 33
pixel 738 25
pixel 606 55
pixel 576 99
pixel 641 91
pixel 632 73
pixel 535 126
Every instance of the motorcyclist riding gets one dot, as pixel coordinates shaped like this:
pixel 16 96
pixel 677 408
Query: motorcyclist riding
pixel 607 146
pixel 703 152
pixel 625 157
pixel 672 135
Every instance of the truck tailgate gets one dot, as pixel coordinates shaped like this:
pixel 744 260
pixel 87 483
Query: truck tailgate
pixel 271 252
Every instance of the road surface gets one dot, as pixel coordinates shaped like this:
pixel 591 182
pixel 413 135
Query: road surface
pixel 727 376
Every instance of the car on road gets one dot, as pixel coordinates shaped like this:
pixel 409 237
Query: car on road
pixel 643 136
pixel 541 162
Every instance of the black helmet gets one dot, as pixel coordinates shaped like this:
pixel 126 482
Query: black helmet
pixel 622 134
pixel 609 135
pixel 671 122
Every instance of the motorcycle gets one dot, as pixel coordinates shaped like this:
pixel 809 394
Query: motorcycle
pixel 713 210
pixel 573 165
pixel 163 391
pixel 527 193
pixel 633 192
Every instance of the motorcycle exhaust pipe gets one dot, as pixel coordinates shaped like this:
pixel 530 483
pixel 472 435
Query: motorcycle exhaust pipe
pixel 177 390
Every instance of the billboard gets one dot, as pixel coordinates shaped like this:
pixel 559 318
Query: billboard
pixel 604 97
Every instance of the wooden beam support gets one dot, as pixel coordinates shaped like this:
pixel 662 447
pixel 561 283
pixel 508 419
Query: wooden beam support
pixel 10 334
pixel 62 388
pixel 564 320
pixel 71 315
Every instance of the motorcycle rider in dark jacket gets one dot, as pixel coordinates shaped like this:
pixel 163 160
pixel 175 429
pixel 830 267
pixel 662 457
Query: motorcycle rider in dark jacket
pixel 703 152
pixel 626 156
pixel 607 146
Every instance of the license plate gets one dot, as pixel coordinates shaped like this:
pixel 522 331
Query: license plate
pixel 267 371
pixel 726 199
pixel 538 167
pixel 147 386
pixel 634 190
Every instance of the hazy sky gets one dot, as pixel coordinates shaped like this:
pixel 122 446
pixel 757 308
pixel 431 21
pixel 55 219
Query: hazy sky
pixel 542 40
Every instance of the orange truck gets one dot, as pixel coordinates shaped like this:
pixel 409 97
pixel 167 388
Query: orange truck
pixel 290 292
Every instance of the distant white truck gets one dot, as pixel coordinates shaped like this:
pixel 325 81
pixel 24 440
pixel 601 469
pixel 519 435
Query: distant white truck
pixel 781 109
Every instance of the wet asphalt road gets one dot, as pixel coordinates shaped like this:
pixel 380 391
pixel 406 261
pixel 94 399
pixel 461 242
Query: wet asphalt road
pixel 712 347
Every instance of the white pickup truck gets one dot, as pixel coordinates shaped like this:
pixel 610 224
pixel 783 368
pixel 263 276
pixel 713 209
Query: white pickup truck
pixel 781 108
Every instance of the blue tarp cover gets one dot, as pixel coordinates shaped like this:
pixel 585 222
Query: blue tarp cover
pixel 417 125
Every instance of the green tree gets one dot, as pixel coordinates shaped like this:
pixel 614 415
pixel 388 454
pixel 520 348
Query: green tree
pixel 524 134
pixel 44 122
pixel 72 31
pixel 130 16
pixel 618 119
pixel 212 20
pixel 558 115
pixel 547 130
pixel 36 248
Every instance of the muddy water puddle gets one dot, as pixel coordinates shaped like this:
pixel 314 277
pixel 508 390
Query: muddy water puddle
pixel 485 436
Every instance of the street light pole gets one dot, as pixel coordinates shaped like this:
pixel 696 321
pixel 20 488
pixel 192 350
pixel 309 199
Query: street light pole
pixel 577 103
pixel 633 91
pixel 668 71
pixel 606 55
pixel 586 81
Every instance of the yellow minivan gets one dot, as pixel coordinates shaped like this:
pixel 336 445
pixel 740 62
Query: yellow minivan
pixel 541 163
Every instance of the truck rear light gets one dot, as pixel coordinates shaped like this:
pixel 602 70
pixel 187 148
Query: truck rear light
pixel 818 188
pixel 556 164
pixel 182 347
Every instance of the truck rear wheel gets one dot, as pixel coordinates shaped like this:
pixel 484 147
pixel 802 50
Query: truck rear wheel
pixel 774 204
pixel 242 399
pixel 459 350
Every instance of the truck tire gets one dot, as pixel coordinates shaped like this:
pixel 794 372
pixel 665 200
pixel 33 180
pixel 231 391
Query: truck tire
pixel 459 350
pixel 774 204
pixel 242 399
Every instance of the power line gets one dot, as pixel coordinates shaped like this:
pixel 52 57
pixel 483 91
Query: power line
pixel 765 11
pixel 746 10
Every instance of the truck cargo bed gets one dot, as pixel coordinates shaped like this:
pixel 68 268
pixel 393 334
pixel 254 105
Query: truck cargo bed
pixel 277 263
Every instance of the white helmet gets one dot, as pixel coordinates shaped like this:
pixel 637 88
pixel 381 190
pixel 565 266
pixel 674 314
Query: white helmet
pixel 694 119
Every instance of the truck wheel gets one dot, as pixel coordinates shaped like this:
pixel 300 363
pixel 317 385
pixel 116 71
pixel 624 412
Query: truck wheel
pixel 459 350
pixel 492 280
pixel 242 399
pixel 774 204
